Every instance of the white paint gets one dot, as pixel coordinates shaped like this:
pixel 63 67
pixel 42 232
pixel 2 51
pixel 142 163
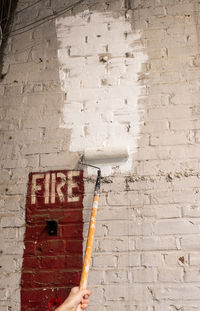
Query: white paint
pixel 60 185
pixel 46 192
pixel 53 188
pixel 110 154
pixel 95 204
pixel 71 185
pixel 35 187
pixel 55 181
pixel 101 84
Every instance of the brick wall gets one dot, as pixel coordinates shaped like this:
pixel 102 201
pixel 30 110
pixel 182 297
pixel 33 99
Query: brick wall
pixel 146 253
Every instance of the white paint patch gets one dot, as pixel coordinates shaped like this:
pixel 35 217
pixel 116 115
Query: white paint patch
pixel 100 58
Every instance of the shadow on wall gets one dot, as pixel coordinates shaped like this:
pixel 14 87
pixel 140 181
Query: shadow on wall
pixel 7 10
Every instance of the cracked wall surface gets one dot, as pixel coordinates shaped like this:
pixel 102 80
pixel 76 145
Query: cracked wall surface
pixel 146 251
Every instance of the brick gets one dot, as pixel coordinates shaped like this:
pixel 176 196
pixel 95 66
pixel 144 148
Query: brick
pixel 116 276
pixel 96 277
pixel 130 259
pixel 176 258
pixel 74 246
pixel 114 245
pixel 156 243
pixel 99 260
pixel 153 153
pixel 54 278
pixel 113 213
pixel 108 184
pixel 73 216
pixel 3 294
pixel 170 138
pixel 189 243
pixel 26 136
pixel 152 260
pixel 12 91
pixel 12 221
pixel 155 167
pixel 194 259
pixel 190 196
pixel 174 293
pixel 161 211
pixel 116 292
pixel 144 275
pixel 170 275
pixel 127 198
pixel 174 112
pixel 175 227
pixel 57 160
pixel 9 233
pixel 12 248
pixel 30 248
pixel 113 305
pixel 5 177
pixel 191 211
pixel 163 306
pixel 50 247
pixel 186 182
pixel 74 261
pixel 139 293
pixel 185 124
pixel 21 163
pixel 27 280
pixel 12 280
pixel 97 294
pixel 31 149
pixel 191 275
pixel 15 189
pixel 184 152
pixel 49 123
pixel 191 308
pixel 71 231
pixel 8 263
pixel 156 126
pixel 34 232
pixel 31 262
pixel 126 229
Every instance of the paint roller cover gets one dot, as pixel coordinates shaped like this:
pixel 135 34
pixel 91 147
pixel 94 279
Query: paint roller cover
pixel 106 154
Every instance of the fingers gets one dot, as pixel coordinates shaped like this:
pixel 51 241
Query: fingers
pixel 84 306
pixel 84 303
pixel 78 296
pixel 86 293
pixel 85 300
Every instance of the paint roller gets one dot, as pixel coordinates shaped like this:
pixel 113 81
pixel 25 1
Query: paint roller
pixel 100 155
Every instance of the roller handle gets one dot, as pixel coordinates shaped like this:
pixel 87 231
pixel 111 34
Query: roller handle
pixel 88 252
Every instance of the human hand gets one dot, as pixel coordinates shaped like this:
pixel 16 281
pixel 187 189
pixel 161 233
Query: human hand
pixel 75 298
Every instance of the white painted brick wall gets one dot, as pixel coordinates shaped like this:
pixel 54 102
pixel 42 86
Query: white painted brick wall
pixel 146 250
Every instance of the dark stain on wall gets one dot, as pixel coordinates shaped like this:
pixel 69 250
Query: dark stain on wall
pixel 7 9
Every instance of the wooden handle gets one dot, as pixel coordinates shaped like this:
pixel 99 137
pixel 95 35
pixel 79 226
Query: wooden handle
pixel 88 252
